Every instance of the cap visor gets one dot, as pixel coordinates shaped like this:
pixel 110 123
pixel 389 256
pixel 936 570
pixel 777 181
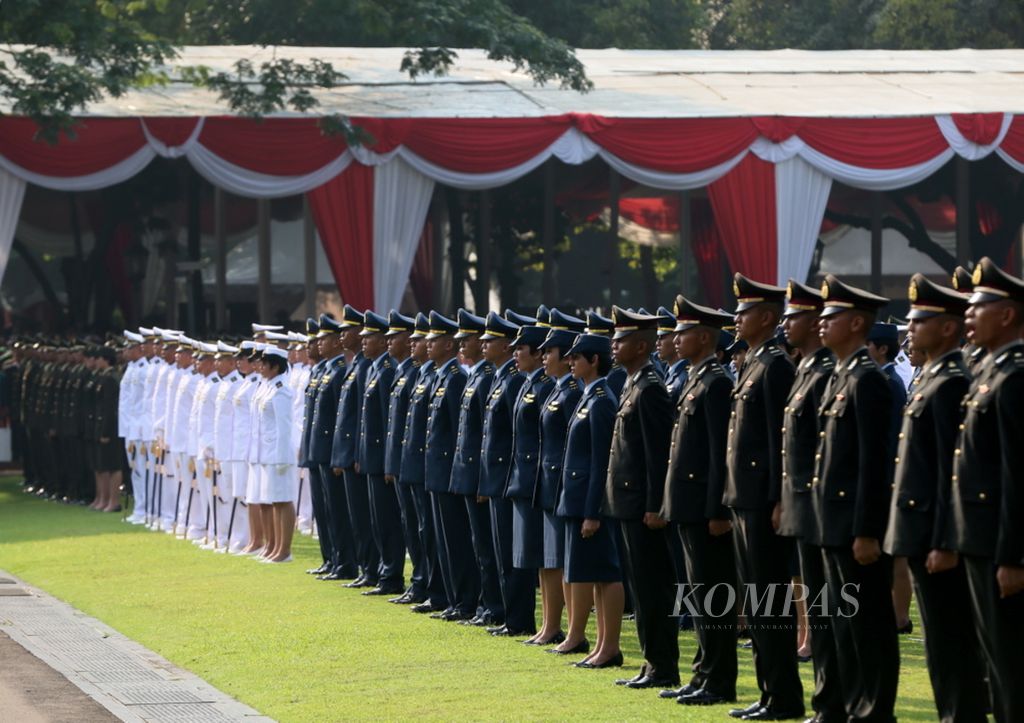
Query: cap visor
pixel 983 297
pixel 833 310
pixel 922 314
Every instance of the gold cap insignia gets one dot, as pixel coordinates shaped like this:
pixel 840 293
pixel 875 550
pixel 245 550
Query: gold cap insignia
pixel 976 276
pixel 735 288
pixel 789 290
pixel 824 289
pixel 912 291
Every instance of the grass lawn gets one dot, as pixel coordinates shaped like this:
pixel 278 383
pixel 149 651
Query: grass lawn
pixel 301 650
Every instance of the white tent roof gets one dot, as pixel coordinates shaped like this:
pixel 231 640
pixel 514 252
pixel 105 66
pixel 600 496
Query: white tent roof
pixel 630 83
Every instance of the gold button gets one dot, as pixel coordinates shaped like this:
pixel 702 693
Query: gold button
pixel 911 503
pixel 814 480
pixel 897 460
pixel 955 478
pixel 981 495
pixel 963 427
pixel 956 452
pixel 691 475
pixel 783 430
pixel 901 435
pixel 808 485
pixel 842 493
pixel 817 456
pixel 753 464
pixel 821 434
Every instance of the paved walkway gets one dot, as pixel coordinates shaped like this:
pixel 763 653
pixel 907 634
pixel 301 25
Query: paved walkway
pixel 112 677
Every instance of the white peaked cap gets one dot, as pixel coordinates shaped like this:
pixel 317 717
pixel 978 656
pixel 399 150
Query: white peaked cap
pixel 206 348
pixel 277 336
pixel 226 348
pixel 274 351
pixel 132 336
pixel 265 327
pixel 248 345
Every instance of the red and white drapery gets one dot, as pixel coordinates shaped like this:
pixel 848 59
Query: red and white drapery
pixel 768 178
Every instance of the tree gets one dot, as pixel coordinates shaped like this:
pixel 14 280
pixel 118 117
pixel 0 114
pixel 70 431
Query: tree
pixel 63 55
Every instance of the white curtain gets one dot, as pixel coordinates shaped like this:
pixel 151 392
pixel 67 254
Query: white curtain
pixel 12 192
pixel 401 199
pixel 801 194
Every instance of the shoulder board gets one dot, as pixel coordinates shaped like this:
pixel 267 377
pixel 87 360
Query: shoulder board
pixel 573 385
pixel 279 385
pixel 827 363
pixel 776 351
pixel 386 364
pixel 1013 357
pixel 544 378
pixel 488 369
pixel 599 392
pixel 652 376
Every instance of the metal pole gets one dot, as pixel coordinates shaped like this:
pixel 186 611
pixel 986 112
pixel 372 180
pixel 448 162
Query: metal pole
pixel 963 211
pixel 614 193
pixel 220 308
pixel 309 245
pixel 483 253
pixel 548 286
pixel 876 242
pixel 263 259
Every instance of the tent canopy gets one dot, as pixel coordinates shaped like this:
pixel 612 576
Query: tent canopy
pixel 627 83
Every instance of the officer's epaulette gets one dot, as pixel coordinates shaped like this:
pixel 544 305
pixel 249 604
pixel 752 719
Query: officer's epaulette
pixel 1011 357
pixel 599 392
pixel 488 369
pixel 544 378
pixel 652 376
pixel 279 385
pixel 573 384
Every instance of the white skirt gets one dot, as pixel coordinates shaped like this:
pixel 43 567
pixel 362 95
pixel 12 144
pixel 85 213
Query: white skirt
pixel 239 478
pixel 252 484
pixel 277 486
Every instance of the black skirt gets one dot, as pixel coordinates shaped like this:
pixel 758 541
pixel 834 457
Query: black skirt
pixel 593 559
pixel 554 541
pixel 527 535
pixel 108 457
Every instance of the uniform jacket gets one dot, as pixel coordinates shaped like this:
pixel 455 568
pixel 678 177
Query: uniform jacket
pixel 273 424
pixel 466 468
pixel 800 442
pixel 675 379
pixel 496 446
pixel 924 459
pixel 414 439
pixel 851 494
pixel 325 410
pixel 696 466
pixel 308 410
pixel 558 412
pixel 754 452
pixel 241 418
pixel 402 385
pixel 533 395
pixel 635 483
pixel 350 408
pixel 374 418
pixel 988 486
pixel 224 414
pixel 587 446
pixel 446 394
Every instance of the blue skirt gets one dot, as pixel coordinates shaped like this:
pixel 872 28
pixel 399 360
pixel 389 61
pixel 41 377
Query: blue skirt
pixel 554 541
pixel 527 535
pixel 594 559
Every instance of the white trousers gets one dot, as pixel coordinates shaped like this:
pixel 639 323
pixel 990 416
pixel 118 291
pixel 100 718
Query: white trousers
pixel 304 509
pixel 137 465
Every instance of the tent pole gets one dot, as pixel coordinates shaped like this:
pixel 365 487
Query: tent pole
pixel 221 259
pixel 263 259
pixel 483 252
pixel 548 286
pixel 614 194
pixel 876 242
pixel 309 250
pixel 963 211
pixel 686 259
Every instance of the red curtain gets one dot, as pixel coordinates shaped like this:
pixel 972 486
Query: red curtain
pixel 743 201
pixel 876 142
pixel 343 212
pixel 97 145
pixel 980 128
pixel 1013 143
pixel 276 146
pixel 707 250
pixel 421 276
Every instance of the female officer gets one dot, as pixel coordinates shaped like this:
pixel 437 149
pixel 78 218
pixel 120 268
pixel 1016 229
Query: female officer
pixel 273 433
pixel 554 423
pixel 591 558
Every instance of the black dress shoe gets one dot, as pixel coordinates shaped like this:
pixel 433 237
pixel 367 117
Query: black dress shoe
pixel 613 662
pixel 507 632
pixel 439 614
pixel 704 697
pixel 358 582
pixel 740 712
pixel 404 599
pixel 455 616
pixel 649 682
pixel 626 681
pixel 905 629
pixel 330 576
pixel 769 712
pixel 424 607
pixel 319 570
pixel 678 692
pixel 553 640
pixel 382 591
pixel 582 647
